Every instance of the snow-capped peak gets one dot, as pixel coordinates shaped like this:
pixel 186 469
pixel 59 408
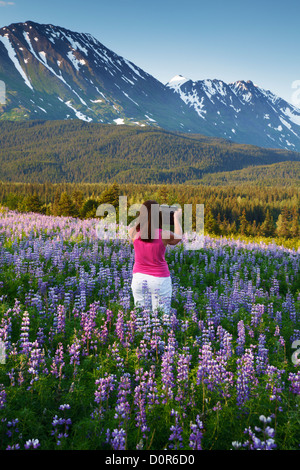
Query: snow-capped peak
pixel 177 80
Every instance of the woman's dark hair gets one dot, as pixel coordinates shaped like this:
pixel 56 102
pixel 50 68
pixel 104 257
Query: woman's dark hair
pixel 150 219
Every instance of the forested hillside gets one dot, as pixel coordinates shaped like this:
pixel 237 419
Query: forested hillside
pixel 76 151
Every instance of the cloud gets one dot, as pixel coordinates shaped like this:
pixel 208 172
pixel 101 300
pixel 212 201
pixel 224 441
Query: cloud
pixel 5 4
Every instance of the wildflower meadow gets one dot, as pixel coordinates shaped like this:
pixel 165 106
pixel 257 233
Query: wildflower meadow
pixel 83 369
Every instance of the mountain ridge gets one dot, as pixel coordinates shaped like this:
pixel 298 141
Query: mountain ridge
pixel 53 73
pixel 221 103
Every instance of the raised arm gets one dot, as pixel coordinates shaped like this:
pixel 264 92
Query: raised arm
pixel 172 238
pixel 132 231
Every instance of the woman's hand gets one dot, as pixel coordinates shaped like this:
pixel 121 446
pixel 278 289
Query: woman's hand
pixel 178 214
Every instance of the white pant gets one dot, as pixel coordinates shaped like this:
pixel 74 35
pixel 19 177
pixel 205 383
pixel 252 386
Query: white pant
pixel 152 291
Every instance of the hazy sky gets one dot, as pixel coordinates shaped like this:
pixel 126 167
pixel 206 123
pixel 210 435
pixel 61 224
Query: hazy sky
pixel 224 39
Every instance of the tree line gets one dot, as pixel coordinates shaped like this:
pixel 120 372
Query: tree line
pixel 228 210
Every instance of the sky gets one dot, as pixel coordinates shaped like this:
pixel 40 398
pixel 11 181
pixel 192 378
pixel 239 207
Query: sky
pixel 229 40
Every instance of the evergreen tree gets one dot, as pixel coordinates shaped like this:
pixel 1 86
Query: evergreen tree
pixel 267 228
pixel 66 207
pixel 89 208
pixel 282 224
pixel 295 230
pixel 254 228
pixel 77 197
pixel 32 203
pixel 244 226
pixel 210 225
pixel 111 195
pixel 55 207
pixel 12 201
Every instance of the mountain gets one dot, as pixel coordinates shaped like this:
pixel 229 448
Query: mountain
pixel 77 151
pixel 53 73
pixel 241 111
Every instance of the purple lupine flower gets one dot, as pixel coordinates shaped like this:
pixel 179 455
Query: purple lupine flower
pixel 262 358
pixel 225 343
pixel 102 394
pixel 130 327
pixel 120 326
pixel 196 434
pixel 241 338
pixel 32 444
pixel 157 346
pixel 183 365
pixel 16 308
pixel 267 441
pixel 58 362
pixel 289 306
pixel 13 447
pixel 205 361
pixel 167 375
pixel 212 371
pixel 294 378
pixel 61 425
pixel 88 323
pixel 275 383
pixel 24 336
pixel 123 407
pixel 140 394
pixel 118 439
pixel 246 380
pixel 142 350
pixel 61 319
pixel 176 432
pixel 74 353
pixel 65 406
pixel 13 430
pixel 114 352
pixel 35 362
pixel 3 397
pixel 152 391
pixel 257 312
pixel 190 304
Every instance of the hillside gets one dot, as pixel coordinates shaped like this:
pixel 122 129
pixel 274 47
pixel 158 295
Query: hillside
pixel 77 151
pixel 277 174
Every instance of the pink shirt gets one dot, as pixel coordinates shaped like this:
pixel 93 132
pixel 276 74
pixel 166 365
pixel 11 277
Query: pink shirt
pixel 150 257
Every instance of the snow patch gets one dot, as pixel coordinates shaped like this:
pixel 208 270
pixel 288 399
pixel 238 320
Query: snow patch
pixel 292 117
pixel 12 55
pixel 135 70
pixel 76 62
pixel 129 98
pixel 149 118
pixel 42 109
pixel 119 121
pixel 76 45
pixel 78 113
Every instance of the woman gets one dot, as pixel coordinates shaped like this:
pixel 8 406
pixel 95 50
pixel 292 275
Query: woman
pixel 150 270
